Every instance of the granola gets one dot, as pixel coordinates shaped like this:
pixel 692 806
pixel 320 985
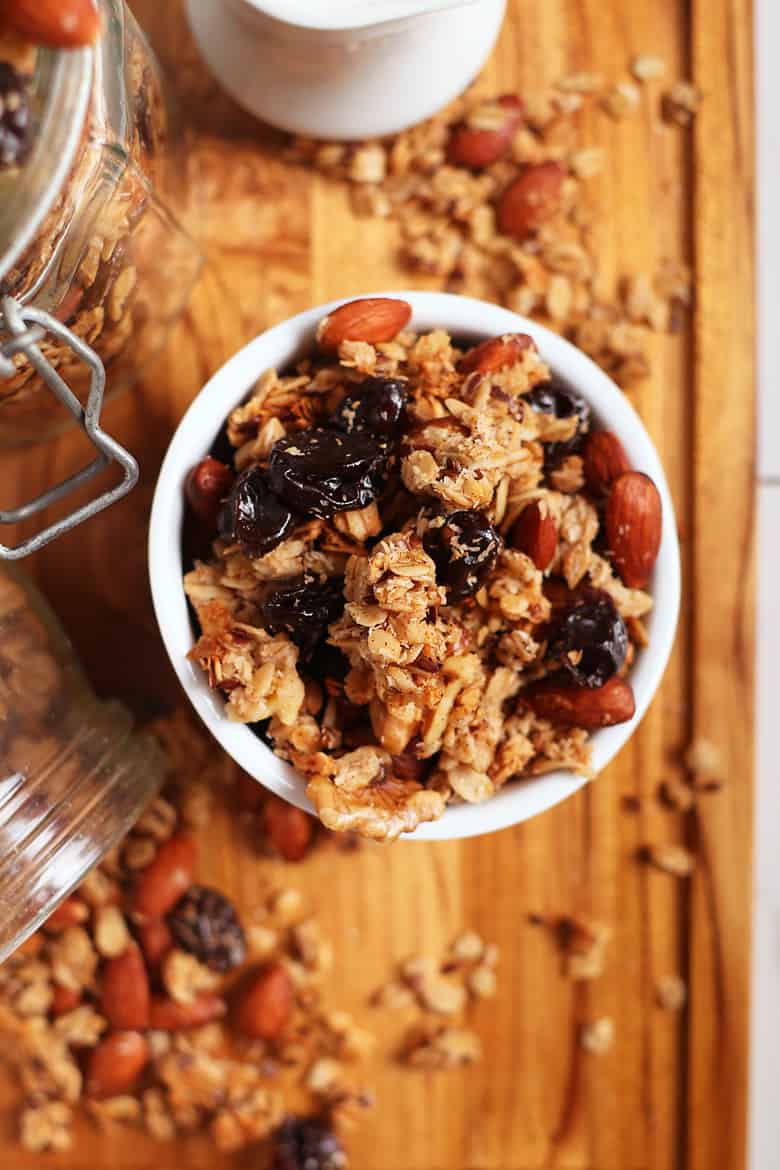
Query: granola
pixel 376 599
pixel 444 182
pixel 66 995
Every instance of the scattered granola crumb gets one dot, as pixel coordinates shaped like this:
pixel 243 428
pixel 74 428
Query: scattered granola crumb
pixel 680 104
pixel 647 67
pixel 621 100
pixel 672 859
pixel 598 1036
pixel 671 993
pixel 482 982
pixel 467 946
pixel 46 1127
pixel 200 1074
pixel 675 794
pixel 583 943
pixel 704 759
pixel 445 1048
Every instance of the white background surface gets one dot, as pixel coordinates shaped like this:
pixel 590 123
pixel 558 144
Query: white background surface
pixel 765 1060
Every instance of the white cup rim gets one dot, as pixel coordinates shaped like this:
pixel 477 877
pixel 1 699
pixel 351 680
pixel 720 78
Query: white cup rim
pixel 276 347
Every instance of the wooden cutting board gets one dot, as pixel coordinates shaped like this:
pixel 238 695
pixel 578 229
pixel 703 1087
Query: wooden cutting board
pixel 672 1092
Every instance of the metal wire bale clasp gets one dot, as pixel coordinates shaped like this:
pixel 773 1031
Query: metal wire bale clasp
pixel 25 328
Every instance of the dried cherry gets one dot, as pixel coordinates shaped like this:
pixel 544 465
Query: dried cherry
pixel 464 549
pixel 375 406
pixel 589 639
pixel 304 609
pixel 254 516
pixel 204 923
pixel 319 472
pixel 554 397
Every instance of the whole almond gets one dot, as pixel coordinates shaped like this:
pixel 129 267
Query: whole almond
pixel 588 707
pixel 64 1000
pixel 72 912
pixel 288 830
pixel 475 147
pixel 265 1003
pixel 114 1066
pixel 535 533
pixel 167 1015
pixel 604 459
pixel 124 992
pixel 495 353
pixel 59 24
pixel 633 522
pixel 155 939
pixel 532 199
pixel 371 319
pixel 206 487
pixel 167 877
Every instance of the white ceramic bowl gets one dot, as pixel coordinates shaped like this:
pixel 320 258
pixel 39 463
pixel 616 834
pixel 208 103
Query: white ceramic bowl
pixel 280 346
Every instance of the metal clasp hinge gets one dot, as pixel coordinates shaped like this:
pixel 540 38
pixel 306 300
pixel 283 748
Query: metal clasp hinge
pixel 27 327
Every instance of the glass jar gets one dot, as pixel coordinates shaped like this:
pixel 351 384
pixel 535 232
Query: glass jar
pixel 91 229
pixel 74 777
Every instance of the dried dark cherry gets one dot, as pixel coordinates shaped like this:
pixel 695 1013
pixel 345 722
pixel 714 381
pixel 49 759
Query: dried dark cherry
pixel 254 516
pixel 376 407
pixel 554 397
pixel 306 1143
pixel 15 120
pixel 589 639
pixel 304 609
pixel 204 923
pixel 319 472
pixel 464 549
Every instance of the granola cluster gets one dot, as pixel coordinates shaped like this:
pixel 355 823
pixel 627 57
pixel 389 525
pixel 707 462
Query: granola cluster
pixel 410 593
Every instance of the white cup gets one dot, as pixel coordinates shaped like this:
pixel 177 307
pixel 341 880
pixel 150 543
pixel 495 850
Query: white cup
pixel 278 348
pixel 345 68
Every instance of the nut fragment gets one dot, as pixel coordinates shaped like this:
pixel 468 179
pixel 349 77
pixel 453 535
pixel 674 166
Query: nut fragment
pixel 265 1004
pixel 111 934
pixel 535 533
pixel 125 991
pixel 115 1064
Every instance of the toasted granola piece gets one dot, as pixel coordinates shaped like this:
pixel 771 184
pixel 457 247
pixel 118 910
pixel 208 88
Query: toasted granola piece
pixel 443 1048
pixel 631 603
pixel 257 670
pixel 362 794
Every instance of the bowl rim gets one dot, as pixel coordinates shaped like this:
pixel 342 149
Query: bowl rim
pixel 231 384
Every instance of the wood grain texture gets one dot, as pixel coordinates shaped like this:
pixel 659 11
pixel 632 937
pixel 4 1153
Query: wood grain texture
pixel 672 1092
